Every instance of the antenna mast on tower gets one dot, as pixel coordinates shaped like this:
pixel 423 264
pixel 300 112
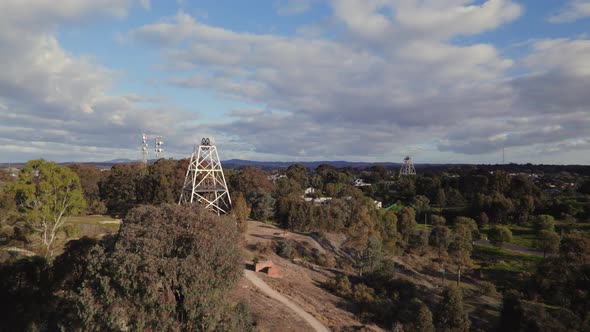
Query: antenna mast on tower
pixel 407 167
pixel 144 148
pixel 204 181
pixel 158 146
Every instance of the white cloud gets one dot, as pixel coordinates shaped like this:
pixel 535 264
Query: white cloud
pixel 391 79
pixel 564 55
pixel 387 79
pixel 49 95
pixel 573 11
pixel 381 21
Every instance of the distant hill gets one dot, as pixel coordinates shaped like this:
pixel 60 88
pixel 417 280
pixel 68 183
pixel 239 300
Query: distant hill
pixel 275 165
pixel 237 163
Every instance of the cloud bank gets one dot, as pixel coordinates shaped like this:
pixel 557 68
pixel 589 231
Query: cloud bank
pixel 384 78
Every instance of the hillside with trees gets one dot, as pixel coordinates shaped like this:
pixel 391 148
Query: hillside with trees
pixel 454 248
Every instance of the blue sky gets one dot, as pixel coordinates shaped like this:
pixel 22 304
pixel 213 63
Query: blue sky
pixel 372 80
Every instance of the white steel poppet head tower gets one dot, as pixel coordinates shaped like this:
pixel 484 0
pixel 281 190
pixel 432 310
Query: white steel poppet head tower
pixel 204 181
pixel 407 167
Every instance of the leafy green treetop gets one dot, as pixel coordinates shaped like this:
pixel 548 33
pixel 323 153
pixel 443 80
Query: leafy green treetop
pixel 548 242
pixel 498 235
pixel 451 315
pixel 48 193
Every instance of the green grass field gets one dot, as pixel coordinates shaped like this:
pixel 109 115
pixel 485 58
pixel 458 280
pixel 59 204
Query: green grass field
pixel 503 259
pixel 502 266
pixel 423 227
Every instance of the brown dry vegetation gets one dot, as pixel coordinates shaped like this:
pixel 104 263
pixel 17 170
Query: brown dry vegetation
pixel 303 283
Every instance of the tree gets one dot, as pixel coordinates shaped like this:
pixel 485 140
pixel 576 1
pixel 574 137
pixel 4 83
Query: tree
pixel 563 281
pixel 406 223
pixel 298 172
pixel 523 207
pixel 359 234
pixel 498 235
pixel 441 198
pixel 544 222
pixel 461 248
pixel 471 226
pixel 406 187
pixel 422 206
pixel 48 194
pixel 575 249
pixel 364 297
pixel 286 187
pixel 437 220
pixel 483 220
pixel 25 290
pixel 171 268
pixel 451 315
pixel 262 205
pixel 512 313
pixel 500 181
pixel 118 189
pixel 90 176
pixel 372 257
pixel 241 211
pixel 454 197
pixel 250 179
pixel 439 238
pixel 387 227
pixel 500 208
pixel 378 173
pixel 548 242
pixel 160 183
pixel 423 320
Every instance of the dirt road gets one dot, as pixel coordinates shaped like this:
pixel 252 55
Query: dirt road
pixel 260 284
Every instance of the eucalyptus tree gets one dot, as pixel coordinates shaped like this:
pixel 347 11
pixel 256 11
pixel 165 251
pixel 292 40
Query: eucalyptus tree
pixel 48 194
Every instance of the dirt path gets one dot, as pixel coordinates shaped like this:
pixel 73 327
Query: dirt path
pixel 252 277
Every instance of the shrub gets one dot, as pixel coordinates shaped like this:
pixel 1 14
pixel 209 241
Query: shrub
pixel 340 286
pixel 71 231
pixel 326 260
pixel 170 268
pixel 285 249
pixel 264 248
pixel 487 288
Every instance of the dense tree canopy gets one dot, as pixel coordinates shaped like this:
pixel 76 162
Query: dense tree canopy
pixel 169 269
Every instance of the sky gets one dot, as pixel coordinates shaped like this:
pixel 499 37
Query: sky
pixel 444 81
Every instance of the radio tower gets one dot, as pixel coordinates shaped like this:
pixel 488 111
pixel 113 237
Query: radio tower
pixel 204 181
pixel 158 146
pixel 407 167
pixel 144 148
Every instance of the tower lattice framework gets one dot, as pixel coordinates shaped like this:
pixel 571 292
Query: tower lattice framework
pixel 407 167
pixel 204 181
